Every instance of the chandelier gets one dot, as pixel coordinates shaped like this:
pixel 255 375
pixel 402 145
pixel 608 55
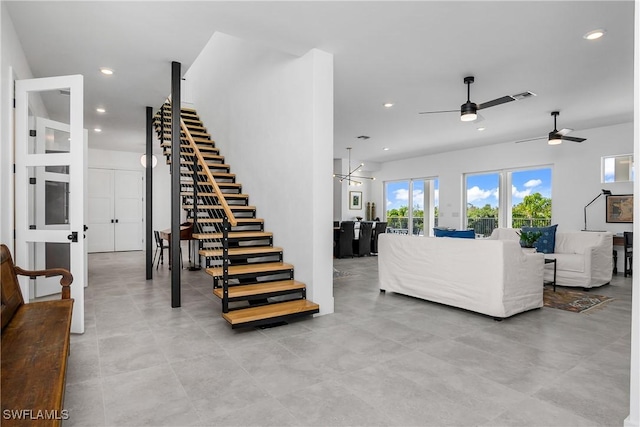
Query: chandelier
pixel 349 176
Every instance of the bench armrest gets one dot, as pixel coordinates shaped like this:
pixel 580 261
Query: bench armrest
pixel 65 281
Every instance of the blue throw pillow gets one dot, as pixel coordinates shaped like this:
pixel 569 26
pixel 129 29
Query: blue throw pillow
pixel 461 234
pixel 546 244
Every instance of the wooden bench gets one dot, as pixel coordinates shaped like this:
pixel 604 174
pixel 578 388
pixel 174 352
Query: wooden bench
pixel 35 347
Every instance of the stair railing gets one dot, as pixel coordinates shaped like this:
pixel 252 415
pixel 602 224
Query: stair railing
pixel 228 218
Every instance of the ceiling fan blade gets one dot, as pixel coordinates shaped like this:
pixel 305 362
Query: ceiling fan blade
pixel 441 111
pixel 495 102
pixel 564 131
pixel 531 139
pixel 574 139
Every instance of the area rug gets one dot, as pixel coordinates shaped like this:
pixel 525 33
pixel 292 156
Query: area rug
pixel 575 301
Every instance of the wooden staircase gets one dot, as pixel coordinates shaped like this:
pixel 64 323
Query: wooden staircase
pixel 255 285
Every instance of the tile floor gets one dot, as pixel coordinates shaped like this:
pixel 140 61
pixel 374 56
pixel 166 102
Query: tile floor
pixel 381 359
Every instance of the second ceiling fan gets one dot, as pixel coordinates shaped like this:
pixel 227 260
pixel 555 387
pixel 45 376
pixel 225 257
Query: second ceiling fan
pixel 469 110
pixel 556 136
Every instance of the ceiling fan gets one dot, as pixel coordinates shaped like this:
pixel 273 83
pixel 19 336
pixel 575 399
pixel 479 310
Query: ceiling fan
pixel 556 136
pixel 469 110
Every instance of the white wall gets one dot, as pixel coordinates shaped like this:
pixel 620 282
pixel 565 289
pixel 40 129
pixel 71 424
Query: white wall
pixel 575 174
pixel 341 190
pixel 633 420
pixel 271 114
pixel 13 64
pixel 125 160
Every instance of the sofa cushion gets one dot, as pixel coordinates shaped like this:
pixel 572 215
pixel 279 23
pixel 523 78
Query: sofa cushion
pixel 569 262
pixel 547 242
pixel 462 234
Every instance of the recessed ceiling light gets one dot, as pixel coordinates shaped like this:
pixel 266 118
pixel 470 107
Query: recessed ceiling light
pixel 97 130
pixel 106 71
pixel 386 148
pixel 101 110
pixel 388 104
pixel 594 35
pixel 481 128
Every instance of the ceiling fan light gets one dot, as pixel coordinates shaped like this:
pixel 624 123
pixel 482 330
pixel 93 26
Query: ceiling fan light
pixel 468 111
pixel 555 139
pixel 468 117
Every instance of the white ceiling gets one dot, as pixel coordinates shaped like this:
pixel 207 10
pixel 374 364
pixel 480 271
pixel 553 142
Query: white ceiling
pixel 414 54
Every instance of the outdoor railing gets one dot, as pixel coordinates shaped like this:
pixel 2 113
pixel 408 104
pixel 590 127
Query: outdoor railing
pixel 481 226
pixel 485 226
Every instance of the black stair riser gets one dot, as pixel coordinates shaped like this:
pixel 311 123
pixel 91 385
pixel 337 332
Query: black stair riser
pixel 273 320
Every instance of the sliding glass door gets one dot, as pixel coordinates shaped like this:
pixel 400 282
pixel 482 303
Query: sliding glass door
pixel 411 206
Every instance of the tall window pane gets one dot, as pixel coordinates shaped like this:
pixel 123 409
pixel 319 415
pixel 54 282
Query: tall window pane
pixel 397 200
pixel 531 198
pixel 482 192
pixel 412 206
pixel 417 211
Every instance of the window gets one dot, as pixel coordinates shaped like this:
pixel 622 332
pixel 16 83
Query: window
pixel 489 203
pixel 483 195
pixel 618 168
pixel 531 198
pixel 412 218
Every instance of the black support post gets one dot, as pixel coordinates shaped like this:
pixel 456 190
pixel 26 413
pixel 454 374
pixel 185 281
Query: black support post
pixel 148 196
pixel 175 184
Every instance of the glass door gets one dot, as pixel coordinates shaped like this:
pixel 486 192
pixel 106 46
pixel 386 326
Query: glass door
pixel 50 175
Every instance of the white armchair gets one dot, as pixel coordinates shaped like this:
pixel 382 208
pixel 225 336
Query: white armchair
pixel 583 258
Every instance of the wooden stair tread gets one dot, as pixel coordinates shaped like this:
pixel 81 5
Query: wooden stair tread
pixel 252 314
pixel 218 157
pixel 226 196
pixel 205 151
pixel 244 291
pixel 213 154
pixel 225 185
pixel 241 221
pixel 219 207
pixel 258 235
pixel 257 268
pixel 243 250
pixel 214 174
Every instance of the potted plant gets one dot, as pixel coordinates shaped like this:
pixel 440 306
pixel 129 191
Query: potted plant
pixel 528 239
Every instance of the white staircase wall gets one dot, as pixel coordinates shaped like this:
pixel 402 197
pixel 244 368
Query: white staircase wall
pixel 271 114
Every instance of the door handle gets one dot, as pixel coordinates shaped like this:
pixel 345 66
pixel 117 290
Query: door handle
pixel 116 221
pixel 85 227
pixel 73 236
pixel 112 221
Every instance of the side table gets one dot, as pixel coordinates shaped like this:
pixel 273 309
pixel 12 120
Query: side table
pixel 552 261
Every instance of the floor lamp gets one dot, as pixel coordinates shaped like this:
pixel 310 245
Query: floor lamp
pixel 604 192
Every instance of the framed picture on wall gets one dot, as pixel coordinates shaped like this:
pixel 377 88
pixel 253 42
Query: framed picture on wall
pixel 620 208
pixel 355 199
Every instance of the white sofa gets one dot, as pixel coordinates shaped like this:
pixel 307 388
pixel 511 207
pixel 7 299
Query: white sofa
pixel 583 258
pixel 492 277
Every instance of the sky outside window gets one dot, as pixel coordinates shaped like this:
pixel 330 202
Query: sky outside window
pixel 483 189
pixel 398 194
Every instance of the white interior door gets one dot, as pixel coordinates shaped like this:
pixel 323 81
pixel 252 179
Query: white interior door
pixel 51 193
pixel 100 236
pixel 115 210
pixel 128 210
pixel 47 237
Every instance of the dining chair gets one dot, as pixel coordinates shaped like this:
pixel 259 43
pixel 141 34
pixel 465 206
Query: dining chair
pixel 362 246
pixel 380 228
pixel 628 253
pixel 344 248
pixel 160 247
